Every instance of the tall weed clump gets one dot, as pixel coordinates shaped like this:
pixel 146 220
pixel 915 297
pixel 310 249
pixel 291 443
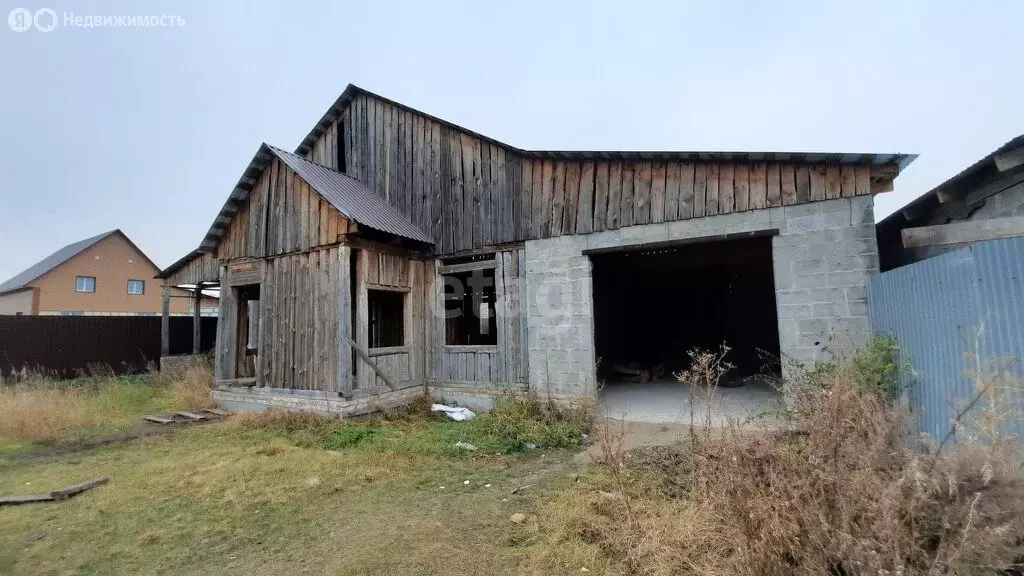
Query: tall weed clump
pixel 846 489
pixel 522 419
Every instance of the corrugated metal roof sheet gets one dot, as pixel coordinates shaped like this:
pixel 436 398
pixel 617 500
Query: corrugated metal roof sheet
pixel 52 261
pixel 353 199
pixel 351 91
pixel 349 196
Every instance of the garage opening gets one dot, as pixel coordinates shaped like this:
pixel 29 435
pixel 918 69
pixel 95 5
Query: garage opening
pixel 653 304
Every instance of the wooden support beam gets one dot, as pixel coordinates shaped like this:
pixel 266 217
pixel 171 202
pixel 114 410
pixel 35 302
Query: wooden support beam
pixel 1009 159
pixel 468 267
pixel 962 232
pixel 165 321
pixel 197 325
pixel 369 362
pixel 345 320
pixel 1010 178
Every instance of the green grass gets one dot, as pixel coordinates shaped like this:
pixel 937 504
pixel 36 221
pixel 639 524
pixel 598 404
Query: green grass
pixel 247 496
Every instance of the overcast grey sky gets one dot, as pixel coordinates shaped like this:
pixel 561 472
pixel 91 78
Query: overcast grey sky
pixel 148 129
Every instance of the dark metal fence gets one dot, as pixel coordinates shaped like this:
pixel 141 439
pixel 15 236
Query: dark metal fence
pixel 67 346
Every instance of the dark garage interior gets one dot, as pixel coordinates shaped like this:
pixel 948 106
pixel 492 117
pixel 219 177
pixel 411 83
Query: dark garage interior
pixel 653 304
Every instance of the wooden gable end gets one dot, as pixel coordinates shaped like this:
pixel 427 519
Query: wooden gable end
pixel 281 214
pixel 469 192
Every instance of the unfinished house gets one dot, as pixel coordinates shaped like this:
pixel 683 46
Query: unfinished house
pixel 394 253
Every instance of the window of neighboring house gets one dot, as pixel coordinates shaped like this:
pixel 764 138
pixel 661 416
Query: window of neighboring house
pixel 136 286
pixel 469 299
pixel 387 317
pixel 85 283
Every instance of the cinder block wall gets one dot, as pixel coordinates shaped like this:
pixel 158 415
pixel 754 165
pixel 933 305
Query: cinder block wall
pixel 823 255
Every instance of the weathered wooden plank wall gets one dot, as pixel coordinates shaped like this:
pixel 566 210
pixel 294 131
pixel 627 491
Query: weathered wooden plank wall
pixel 469 192
pixel 281 214
pixel 380 269
pixel 299 321
pixel 202 268
pixel 503 363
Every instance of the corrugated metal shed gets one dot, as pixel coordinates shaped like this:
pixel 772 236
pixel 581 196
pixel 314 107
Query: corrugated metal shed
pixel 942 309
pixel 353 199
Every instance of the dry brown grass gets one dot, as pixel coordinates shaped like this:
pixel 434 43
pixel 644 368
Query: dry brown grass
pixel 847 494
pixel 39 413
pixel 191 387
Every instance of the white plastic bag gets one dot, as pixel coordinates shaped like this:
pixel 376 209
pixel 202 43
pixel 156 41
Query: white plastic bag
pixel 457 413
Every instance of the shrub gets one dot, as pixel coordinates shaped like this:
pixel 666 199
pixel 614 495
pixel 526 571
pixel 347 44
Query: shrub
pixel 522 418
pixel 876 369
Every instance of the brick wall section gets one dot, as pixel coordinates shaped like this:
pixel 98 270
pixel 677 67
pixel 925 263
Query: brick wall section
pixel 823 255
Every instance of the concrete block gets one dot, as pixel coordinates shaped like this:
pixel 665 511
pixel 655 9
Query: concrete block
pixel 795 311
pixel 847 278
pixel 810 266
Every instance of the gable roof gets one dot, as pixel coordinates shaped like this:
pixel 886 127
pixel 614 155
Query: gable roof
pixel 877 159
pixel 21 281
pixel 353 199
pixel 346 194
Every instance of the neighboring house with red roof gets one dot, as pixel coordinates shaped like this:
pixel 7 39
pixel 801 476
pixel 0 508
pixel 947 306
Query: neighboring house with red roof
pixel 106 274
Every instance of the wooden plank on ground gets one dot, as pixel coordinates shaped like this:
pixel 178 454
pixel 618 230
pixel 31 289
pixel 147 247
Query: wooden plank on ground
pixel 75 489
pixel 158 419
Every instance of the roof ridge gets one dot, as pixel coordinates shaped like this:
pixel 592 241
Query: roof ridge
pixel 56 258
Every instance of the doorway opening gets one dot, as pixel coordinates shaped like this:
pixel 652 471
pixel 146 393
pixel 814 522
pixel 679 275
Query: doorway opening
pixel 247 335
pixel 654 304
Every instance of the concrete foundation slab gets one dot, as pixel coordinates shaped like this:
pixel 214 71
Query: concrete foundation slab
pixel 669 402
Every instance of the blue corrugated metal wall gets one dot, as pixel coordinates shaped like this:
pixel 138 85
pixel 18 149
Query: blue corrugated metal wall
pixel 935 309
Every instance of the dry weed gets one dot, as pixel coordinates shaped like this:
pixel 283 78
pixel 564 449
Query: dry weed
pixel 39 413
pixel 191 387
pixel 843 494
